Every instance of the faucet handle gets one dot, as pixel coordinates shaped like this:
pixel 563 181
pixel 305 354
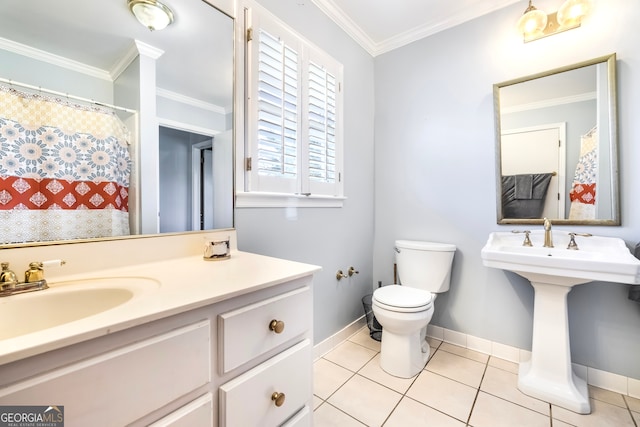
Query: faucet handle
pixel 35 273
pixel 527 240
pixel 8 279
pixel 572 240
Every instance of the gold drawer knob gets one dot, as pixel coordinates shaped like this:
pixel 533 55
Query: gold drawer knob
pixel 278 398
pixel 276 326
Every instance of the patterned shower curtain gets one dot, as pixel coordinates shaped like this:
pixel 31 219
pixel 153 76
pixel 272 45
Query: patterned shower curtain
pixel 64 170
pixel 583 191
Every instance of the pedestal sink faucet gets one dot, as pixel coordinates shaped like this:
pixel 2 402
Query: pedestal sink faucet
pixel 548 239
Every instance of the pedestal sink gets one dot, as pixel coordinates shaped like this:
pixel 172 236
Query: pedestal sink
pixel 552 273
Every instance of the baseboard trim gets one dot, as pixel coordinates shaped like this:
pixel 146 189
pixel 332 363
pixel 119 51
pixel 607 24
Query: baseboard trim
pixel 595 377
pixel 328 344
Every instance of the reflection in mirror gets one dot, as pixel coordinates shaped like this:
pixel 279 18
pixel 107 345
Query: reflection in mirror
pixel 108 129
pixel 557 146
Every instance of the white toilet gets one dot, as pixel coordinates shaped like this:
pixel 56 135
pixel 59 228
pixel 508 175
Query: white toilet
pixel 404 311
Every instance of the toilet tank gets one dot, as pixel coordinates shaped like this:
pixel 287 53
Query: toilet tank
pixel 424 265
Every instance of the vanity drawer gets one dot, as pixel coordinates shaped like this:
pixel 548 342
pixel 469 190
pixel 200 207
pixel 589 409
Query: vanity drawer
pixel 125 384
pixel 245 333
pixel 303 418
pixel 248 399
pixel 198 413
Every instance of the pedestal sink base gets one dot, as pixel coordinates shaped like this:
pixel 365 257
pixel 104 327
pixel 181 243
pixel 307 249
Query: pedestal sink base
pixel 572 395
pixel 553 271
pixel 549 375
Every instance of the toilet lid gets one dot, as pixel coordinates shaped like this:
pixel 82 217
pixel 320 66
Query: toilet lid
pixel 403 297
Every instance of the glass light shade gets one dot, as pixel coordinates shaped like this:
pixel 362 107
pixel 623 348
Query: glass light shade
pixel 571 12
pixel 152 14
pixel 532 22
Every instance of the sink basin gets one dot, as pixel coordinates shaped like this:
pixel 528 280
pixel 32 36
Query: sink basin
pixel 548 375
pixel 66 302
pixel 598 258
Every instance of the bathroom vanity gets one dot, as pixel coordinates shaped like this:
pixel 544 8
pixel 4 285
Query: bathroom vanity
pixel 225 343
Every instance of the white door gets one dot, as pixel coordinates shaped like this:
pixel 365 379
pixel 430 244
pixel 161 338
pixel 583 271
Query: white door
pixel 538 149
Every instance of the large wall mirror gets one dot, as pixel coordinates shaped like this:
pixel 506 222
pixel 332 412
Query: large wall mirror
pixel 556 145
pixel 110 130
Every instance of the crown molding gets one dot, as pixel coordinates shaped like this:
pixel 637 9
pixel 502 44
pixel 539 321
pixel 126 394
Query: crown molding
pixel 336 14
pixel 552 102
pixel 329 8
pixel 174 96
pixel 60 61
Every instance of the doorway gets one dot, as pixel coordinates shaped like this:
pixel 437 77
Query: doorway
pixel 186 180
pixel 538 149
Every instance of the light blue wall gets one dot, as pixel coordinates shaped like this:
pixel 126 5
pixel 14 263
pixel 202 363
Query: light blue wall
pixel 333 238
pixel 434 173
pixel 434 177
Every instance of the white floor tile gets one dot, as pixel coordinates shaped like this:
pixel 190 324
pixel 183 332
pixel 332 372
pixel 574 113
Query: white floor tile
pixel 504 384
pixel 365 400
pixel 329 416
pixel 602 415
pixel 456 367
pixel 633 403
pixel 328 377
pixel 491 411
pixel 350 355
pixel 446 395
pixel 364 339
pixel 505 365
pixel 374 372
pixel 316 402
pixel 411 413
pixel 458 384
pixel 607 396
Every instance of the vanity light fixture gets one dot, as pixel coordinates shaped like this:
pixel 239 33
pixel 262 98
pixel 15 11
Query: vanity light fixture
pixel 535 24
pixel 151 13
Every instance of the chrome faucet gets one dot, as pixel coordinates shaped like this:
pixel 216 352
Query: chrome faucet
pixel 548 238
pixel 33 279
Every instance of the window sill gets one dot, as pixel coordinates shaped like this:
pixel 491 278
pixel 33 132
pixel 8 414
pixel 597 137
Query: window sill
pixel 281 200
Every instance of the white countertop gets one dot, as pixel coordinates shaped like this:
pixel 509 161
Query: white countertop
pixel 183 284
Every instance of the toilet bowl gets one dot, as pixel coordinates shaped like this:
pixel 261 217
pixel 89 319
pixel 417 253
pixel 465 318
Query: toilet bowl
pixel 404 314
pixel 405 310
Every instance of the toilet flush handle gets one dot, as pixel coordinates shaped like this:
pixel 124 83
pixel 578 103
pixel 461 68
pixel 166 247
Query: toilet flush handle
pixel 396 249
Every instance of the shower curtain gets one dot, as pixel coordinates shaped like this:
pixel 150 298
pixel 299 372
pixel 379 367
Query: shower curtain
pixel 583 191
pixel 64 170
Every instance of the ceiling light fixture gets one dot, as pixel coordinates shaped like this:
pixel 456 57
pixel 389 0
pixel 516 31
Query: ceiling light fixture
pixel 151 13
pixel 535 24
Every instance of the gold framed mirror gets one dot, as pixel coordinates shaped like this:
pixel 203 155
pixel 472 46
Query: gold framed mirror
pixel 557 146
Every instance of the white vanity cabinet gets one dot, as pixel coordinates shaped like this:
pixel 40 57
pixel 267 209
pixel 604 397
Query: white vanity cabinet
pixel 207 366
pixel 277 389
pixel 122 385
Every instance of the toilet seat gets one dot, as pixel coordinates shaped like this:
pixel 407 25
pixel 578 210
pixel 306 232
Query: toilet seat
pixel 402 299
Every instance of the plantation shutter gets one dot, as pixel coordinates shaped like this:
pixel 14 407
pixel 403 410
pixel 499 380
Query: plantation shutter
pixel 321 126
pixel 293 120
pixel 276 100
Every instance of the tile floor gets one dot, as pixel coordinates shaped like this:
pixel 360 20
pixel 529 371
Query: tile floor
pixel 458 387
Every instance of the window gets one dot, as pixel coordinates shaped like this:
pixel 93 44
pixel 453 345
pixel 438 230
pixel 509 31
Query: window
pixel 294 115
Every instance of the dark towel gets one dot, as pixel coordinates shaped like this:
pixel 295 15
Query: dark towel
pixel 512 207
pixel 524 187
